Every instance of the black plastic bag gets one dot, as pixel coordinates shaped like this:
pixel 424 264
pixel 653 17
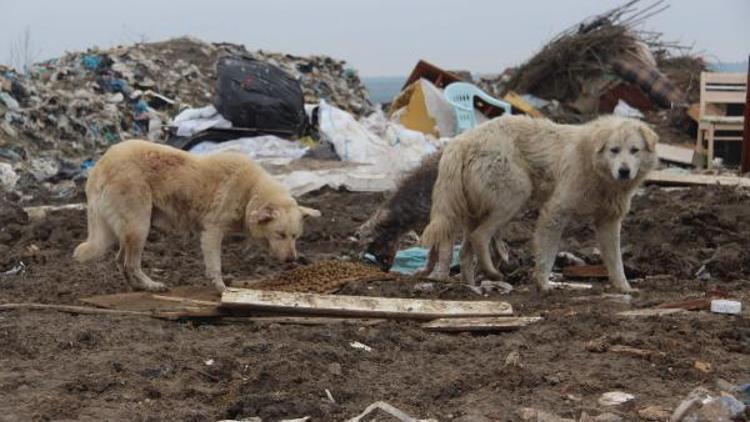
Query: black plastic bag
pixel 260 96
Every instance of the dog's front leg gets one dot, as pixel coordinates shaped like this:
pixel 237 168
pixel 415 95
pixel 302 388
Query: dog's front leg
pixel 608 236
pixel 211 238
pixel 546 243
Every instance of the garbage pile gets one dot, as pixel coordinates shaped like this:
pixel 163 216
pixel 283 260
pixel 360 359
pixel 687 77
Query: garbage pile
pixel 71 108
pixel 594 65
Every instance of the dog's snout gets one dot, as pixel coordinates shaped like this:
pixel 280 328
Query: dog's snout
pixel 624 173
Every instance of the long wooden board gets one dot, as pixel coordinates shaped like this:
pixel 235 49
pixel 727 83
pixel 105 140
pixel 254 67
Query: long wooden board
pixel 360 306
pixel 479 324
pixel 667 178
pixel 674 153
pixel 585 271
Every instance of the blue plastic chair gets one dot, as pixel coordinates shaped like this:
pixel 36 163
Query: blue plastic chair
pixel 461 96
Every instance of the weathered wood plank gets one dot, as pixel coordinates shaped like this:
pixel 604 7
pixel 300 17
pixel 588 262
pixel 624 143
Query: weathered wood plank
pixel 479 324
pixel 661 177
pixel 649 312
pixel 585 271
pixel 675 154
pixel 361 306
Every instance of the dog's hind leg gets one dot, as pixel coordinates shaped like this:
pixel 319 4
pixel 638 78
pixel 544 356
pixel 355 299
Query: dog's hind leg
pixel 467 260
pixel 100 237
pixel 130 218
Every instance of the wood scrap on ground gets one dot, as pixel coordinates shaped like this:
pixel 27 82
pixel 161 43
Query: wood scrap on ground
pixel 479 324
pixel 360 306
pixel 650 312
pixel 668 178
pixel 585 271
pixel 675 153
pixel 39 212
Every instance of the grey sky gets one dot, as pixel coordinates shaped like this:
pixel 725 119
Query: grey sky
pixel 378 37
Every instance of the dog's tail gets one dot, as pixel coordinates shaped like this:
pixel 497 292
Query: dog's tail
pixel 449 207
pixel 100 237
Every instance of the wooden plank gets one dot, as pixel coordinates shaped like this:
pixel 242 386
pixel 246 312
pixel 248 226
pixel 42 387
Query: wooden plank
pixel 40 212
pixel 176 301
pixel 585 271
pixel 634 352
pixel 297 320
pixel 725 97
pixel 71 309
pixel 667 178
pixel 479 324
pixel 518 102
pixel 360 306
pixel 650 312
pixel 675 154
pixel 733 78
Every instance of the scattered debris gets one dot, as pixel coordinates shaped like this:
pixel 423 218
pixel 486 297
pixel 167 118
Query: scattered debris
pixel 390 410
pixel 480 324
pixel 635 352
pixel 724 306
pixel 585 271
pixel 615 398
pixel 704 367
pixel 670 178
pixel 650 312
pixel 655 413
pixel 362 346
pixel 536 415
pixel 17 269
pixel 330 396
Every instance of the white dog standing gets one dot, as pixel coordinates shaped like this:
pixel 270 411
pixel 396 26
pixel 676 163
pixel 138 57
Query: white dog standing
pixel 487 175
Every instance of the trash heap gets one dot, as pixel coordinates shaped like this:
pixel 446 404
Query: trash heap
pixel 83 101
pixel 591 66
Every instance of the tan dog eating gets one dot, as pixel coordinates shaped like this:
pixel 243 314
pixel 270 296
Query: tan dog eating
pixel 138 183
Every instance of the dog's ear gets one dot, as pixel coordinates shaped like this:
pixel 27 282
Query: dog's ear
pixel 649 136
pixel 263 215
pixel 599 138
pixel 309 212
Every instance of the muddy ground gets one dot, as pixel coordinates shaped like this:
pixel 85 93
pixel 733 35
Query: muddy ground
pixel 56 366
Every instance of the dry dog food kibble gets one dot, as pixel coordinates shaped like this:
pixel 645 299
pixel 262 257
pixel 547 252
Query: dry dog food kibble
pixel 320 277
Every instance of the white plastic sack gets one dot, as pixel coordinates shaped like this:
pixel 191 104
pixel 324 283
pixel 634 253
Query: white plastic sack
pixel 194 120
pixel 8 177
pixel 395 150
pixel 624 109
pixel 269 148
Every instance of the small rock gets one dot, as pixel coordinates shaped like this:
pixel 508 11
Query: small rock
pixel 335 369
pixel 608 417
pixel 536 415
pixel 8 177
pixel 655 413
pixel 704 367
pixel 615 398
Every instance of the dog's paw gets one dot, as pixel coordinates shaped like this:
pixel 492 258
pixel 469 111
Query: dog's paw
pixel 156 287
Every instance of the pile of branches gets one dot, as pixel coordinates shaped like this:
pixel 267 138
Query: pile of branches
pixel 584 51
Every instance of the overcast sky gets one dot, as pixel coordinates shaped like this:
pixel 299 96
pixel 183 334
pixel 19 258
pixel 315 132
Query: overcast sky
pixel 377 37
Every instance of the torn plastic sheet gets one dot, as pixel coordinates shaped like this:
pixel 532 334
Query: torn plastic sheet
pixel 267 148
pixel 194 120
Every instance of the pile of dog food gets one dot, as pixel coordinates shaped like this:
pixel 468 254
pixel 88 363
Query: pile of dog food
pixel 320 277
